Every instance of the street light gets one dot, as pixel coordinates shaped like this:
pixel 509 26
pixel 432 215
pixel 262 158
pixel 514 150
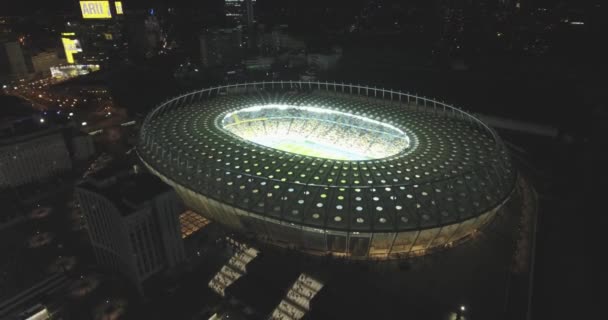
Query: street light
pixel 462 308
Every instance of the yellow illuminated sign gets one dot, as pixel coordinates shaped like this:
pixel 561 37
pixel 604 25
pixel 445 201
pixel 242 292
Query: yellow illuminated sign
pixel 108 36
pixel 70 47
pixel 118 5
pixel 67 34
pixel 95 9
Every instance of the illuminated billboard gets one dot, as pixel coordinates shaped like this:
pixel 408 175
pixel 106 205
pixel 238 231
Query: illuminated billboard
pixel 95 9
pixel 71 46
pixel 118 5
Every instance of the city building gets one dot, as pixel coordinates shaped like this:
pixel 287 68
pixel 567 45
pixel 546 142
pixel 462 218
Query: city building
pixel 250 13
pixel 144 35
pixel 329 168
pixel 293 59
pixel 221 47
pixel 259 63
pixel 240 12
pixel 6 25
pixel 100 41
pixel 11 211
pixel 16 62
pixel 133 223
pixel 324 61
pixel 278 39
pixel 97 37
pixel 33 148
pixel 31 157
pixel 42 62
pixel 12 60
pixel 83 147
pixel 41 154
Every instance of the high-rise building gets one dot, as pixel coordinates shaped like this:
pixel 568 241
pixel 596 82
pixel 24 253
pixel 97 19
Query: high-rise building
pixel 240 12
pixel 249 11
pixel 221 47
pixel 144 35
pixel 133 223
pixel 12 60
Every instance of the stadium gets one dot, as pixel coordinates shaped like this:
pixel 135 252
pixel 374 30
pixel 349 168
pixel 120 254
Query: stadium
pixel 327 168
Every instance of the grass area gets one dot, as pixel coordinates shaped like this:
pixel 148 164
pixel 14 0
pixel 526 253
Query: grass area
pixel 313 149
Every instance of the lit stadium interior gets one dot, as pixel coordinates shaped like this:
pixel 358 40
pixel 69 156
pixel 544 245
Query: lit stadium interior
pixel 316 132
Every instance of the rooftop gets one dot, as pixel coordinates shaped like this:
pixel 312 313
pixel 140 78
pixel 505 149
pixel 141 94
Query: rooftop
pixel 127 190
pixel 105 167
pixel 25 133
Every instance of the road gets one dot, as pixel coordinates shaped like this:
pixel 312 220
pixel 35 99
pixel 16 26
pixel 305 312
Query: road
pixel 92 109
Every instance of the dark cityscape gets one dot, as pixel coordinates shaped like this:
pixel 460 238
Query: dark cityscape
pixel 303 159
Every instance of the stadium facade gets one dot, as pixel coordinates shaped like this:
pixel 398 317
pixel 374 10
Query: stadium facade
pixel 355 171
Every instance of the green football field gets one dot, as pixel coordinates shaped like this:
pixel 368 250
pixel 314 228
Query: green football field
pixel 312 149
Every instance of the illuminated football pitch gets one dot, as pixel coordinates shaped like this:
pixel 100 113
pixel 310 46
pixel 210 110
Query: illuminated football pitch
pixel 310 148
